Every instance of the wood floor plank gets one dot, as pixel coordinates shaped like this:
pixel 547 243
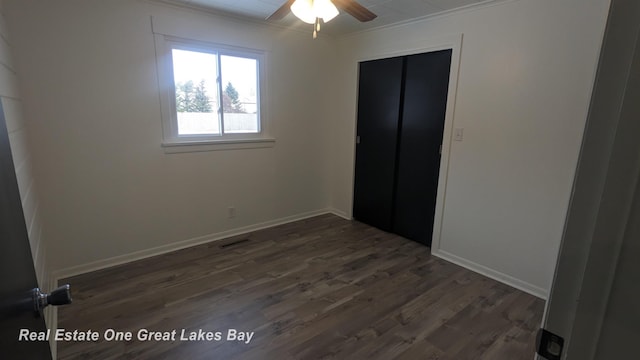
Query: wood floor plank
pixel 320 288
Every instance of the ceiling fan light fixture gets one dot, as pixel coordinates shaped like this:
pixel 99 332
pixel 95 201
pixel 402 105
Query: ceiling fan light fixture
pixel 325 10
pixel 303 10
pixel 310 10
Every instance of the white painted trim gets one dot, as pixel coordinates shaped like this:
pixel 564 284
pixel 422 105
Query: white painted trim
pixel 454 42
pixel 493 274
pixel 301 29
pixel 163 249
pixel 444 13
pixel 423 45
pixel 52 323
pixel 243 20
pixel 198 146
pixel 165 41
pixel 340 213
pixel 443 42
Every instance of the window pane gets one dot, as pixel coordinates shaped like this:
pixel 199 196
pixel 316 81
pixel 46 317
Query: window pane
pixel 239 99
pixel 194 75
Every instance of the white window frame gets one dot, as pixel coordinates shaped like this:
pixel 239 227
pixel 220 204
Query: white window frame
pixel 172 140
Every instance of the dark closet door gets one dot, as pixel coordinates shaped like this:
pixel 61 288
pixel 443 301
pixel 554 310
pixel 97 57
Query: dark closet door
pixel 421 127
pixel 378 107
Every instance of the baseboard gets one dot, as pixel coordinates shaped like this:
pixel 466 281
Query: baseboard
pixel 339 213
pixel 55 276
pixel 163 249
pixel 53 321
pixel 493 274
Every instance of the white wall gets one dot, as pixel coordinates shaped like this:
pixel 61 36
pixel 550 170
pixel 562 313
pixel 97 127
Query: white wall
pixel 89 77
pixel 90 88
pixel 525 79
pixel 19 140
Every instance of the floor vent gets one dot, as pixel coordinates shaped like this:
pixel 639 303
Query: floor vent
pixel 233 243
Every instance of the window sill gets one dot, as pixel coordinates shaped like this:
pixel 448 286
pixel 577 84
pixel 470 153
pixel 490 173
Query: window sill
pixel 214 145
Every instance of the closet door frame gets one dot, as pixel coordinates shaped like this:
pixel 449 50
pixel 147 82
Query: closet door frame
pixel 453 42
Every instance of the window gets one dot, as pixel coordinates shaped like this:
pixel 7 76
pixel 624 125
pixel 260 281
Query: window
pixel 210 95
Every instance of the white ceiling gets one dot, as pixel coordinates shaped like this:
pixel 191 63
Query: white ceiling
pixel 388 11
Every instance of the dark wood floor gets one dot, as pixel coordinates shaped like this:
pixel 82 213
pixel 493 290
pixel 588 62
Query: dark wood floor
pixel 322 288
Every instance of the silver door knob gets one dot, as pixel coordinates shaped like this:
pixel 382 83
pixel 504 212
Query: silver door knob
pixel 59 296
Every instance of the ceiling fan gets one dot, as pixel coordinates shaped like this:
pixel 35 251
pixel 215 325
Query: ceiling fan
pixel 312 11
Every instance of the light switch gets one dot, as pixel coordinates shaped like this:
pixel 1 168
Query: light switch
pixel 457 134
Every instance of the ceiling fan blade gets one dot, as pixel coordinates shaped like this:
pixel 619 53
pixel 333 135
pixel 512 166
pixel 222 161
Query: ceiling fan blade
pixel 354 9
pixel 282 11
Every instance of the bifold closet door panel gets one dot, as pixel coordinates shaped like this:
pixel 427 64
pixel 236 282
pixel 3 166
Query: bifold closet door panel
pixel 424 106
pixel 379 91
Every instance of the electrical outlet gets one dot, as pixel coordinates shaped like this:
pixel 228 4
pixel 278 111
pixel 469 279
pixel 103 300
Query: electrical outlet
pixel 232 212
pixel 457 134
